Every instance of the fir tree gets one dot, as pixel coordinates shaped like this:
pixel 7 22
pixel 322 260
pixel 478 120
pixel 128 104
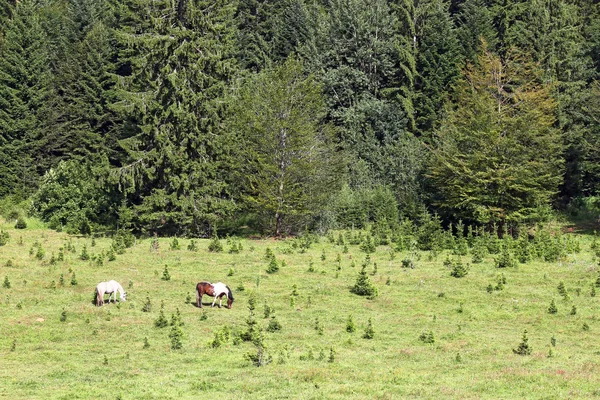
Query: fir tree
pixel 363 285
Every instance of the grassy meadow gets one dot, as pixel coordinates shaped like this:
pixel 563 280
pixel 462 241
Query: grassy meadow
pixel 435 336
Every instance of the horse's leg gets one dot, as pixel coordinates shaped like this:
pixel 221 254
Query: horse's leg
pixel 198 298
pixel 213 304
pixel 220 301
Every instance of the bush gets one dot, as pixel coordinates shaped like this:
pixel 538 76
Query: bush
pixel 363 285
pixel 523 349
pixel 506 259
pixel 21 224
pixel 427 337
pixel 459 270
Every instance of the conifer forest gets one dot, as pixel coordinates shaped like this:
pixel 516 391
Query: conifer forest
pixel 188 117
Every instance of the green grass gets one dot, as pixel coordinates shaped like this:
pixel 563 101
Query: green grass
pixel 54 359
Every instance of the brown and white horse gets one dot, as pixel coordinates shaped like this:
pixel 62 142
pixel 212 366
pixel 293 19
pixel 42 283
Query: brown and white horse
pixel 218 289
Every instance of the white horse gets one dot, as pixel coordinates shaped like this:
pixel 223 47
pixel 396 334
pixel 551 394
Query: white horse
pixel 111 287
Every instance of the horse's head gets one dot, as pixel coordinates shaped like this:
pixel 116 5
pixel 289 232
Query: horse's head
pixel 123 296
pixel 230 298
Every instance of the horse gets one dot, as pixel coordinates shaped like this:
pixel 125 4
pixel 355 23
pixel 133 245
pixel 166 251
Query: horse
pixel 218 289
pixel 111 287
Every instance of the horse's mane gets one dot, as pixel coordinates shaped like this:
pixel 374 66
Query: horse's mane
pixel 230 294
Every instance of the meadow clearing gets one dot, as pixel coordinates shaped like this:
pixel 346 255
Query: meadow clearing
pixel 433 335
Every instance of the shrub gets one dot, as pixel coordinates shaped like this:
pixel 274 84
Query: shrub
pixel 84 254
pixel 427 337
pixel 363 285
pixel 161 321
pixel 523 349
pixel 506 259
pixel 274 325
pixel 21 224
pixel 350 328
pixel 192 246
pixel 273 266
pixel 6 283
pixel 552 308
pixel 369 331
pixel 175 245
pixel 215 245
pixel 458 269
pixel 4 236
pixel 166 276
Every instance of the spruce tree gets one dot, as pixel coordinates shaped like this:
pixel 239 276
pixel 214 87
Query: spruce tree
pixel 176 61
pixel 25 90
pixel 497 157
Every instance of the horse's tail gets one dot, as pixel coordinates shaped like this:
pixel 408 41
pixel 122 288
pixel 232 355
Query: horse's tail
pixel 97 297
pixel 198 294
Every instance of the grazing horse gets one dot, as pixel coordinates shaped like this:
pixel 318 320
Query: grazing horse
pixel 218 289
pixel 110 287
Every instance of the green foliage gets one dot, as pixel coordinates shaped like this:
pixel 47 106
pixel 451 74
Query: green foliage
pixel 215 245
pixel 427 337
pixel 458 269
pixel 4 237
pixel 505 259
pixel 363 285
pixel 192 246
pixel 175 245
pixel 84 254
pixel 161 321
pixel 21 224
pixel 497 157
pixel 6 283
pixel 166 276
pixel 273 266
pixel 369 331
pixel 552 309
pixel 350 328
pixel 147 307
pixel 523 349
pixel 287 163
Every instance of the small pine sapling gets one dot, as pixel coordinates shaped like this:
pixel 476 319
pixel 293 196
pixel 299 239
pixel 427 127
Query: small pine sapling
pixel 215 245
pixel 147 307
pixel 427 337
pixel 192 246
pixel 84 254
pixel 563 291
pixel 369 331
pixel 166 276
pixel 273 266
pixel 161 321
pixel 331 355
pixel 363 285
pixel 523 349
pixel 552 308
pixel 174 244
pixel 6 283
pixel 350 327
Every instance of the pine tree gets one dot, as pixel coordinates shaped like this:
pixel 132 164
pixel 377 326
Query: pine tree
pixel 25 89
pixel 497 158
pixel 437 62
pixel 176 61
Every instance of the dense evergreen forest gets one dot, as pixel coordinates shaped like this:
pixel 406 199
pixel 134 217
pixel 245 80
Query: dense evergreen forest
pixel 275 116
